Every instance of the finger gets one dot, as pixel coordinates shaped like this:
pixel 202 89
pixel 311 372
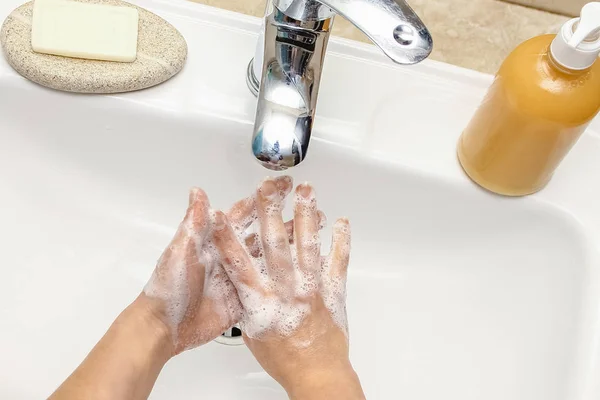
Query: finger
pixel 285 184
pixel 339 257
pixel 197 194
pixel 234 258
pixel 252 241
pixel 183 248
pixel 289 226
pixel 192 233
pixel 273 235
pixel 222 290
pixel 197 217
pixel 195 223
pixel 243 213
pixel 306 229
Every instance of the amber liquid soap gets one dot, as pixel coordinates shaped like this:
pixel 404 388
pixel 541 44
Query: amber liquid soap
pixel 534 112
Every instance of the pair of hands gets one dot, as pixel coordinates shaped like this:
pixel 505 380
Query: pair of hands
pixel 289 299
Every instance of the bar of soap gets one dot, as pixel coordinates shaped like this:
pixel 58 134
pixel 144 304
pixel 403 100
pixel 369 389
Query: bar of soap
pixel 84 30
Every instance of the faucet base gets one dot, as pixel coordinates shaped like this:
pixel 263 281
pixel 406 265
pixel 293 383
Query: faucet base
pixel 251 79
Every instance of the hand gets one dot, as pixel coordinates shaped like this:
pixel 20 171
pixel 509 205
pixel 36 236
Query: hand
pixel 189 290
pixel 188 301
pixel 293 299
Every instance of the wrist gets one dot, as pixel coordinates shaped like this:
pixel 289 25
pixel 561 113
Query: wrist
pixel 142 320
pixel 338 382
pixel 126 361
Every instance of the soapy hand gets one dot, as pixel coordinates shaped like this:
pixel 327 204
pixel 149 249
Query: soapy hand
pixel 292 301
pixel 189 289
pixel 191 292
pixel 293 298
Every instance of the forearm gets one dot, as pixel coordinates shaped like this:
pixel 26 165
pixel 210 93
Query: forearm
pixel 339 384
pixel 126 362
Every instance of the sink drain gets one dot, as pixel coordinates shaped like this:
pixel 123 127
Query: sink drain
pixel 231 337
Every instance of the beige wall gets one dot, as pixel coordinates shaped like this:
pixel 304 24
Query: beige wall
pixel 567 7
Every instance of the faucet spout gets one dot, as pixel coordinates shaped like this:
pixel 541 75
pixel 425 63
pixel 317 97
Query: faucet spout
pixel 291 73
pixel 296 33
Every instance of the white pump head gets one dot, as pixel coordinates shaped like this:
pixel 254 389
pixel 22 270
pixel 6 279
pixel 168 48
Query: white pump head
pixel 577 45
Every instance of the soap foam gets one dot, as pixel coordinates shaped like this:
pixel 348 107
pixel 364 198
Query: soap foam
pixel 217 285
pixel 273 307
pixel 278 303
pixel 334 298
pixel 334 282
pixel 170 280
pixel 169 283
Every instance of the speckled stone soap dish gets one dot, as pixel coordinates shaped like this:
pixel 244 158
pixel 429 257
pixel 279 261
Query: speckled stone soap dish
pixel 162 52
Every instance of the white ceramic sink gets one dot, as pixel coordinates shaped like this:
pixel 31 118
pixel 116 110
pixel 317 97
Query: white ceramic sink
pixel 454 293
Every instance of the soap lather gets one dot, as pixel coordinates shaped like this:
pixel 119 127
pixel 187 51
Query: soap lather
pixel 544 96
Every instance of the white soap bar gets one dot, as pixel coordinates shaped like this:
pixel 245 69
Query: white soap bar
pixel 83 30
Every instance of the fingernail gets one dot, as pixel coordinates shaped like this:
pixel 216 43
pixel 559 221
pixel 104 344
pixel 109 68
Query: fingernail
pixel 305 190
pixel 197 194
pixel 285 181
pixel 342 223
pixel 192 196
pixel 285 184
pixel 268 189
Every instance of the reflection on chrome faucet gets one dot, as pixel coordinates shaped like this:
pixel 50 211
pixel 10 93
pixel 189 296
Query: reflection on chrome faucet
pixel 289 89
pixel 286 74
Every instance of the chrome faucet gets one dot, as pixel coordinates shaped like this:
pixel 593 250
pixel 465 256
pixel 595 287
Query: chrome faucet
pixel 286 71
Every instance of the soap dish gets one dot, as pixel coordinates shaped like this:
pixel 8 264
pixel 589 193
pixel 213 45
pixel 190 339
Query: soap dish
pixel 162 52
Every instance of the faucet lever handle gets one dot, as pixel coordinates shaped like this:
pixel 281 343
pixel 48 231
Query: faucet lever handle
pixel 390 24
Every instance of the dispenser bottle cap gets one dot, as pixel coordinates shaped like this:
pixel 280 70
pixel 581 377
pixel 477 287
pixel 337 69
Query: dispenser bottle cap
pixel 577 45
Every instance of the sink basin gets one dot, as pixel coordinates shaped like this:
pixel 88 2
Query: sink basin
pixel 454 293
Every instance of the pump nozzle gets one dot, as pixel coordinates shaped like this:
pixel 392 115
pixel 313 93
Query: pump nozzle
pixel 589 24
pixel 570 47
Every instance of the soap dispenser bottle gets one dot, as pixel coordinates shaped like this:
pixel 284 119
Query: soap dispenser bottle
pixel 544 96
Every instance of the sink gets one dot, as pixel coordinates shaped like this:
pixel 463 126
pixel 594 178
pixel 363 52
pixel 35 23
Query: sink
pixel 454 293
